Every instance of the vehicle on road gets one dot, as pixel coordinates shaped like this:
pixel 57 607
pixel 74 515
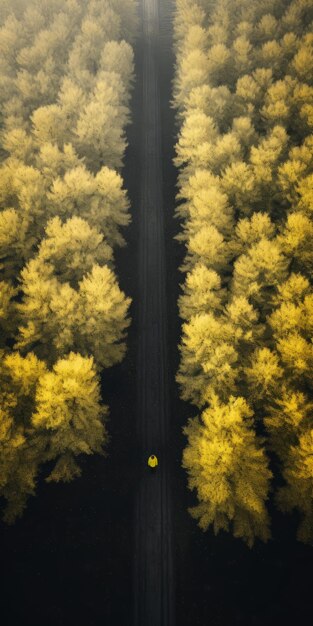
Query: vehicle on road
pixel 153 462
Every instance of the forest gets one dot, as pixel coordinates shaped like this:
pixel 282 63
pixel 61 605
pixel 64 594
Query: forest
pixel 67 72
pixel 156 312
pixel 243 93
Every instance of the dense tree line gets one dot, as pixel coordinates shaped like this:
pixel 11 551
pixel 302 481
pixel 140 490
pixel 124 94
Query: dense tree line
pixel 243 91
pixel 66 71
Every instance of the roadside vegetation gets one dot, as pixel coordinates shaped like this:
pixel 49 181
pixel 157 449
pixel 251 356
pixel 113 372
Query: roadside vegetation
pixel 66 74
pixel 243 93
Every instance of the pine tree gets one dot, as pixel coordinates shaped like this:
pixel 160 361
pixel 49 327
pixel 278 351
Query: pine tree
pixel 228 469
pixel 244 153
pixel 73 248
pixel 208 358
pixel 66 73
pixel 202 292
pixel 68 413
pixel 103 317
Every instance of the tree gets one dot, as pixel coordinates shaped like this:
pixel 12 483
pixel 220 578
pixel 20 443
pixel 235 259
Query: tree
pixel 12 242
pixel 297 493
pixel 73 248
pixel 206 204
pixel 251 90
pixel 20 449
pixel 208 247
pixel 202 292
pixel 196 39
pixel 113 205
pixel 240 184
pixel 219 64
pixel 258 272
pixel 266 28
pixel 208 358
pixel 24 373
pixel 100 135
pixel 198 132
pixel 264 374
pixel 245 132
pixel 194 190
pixel 100 199
pixel 19 145
pixel 250 231
pixel 306 195
pixel 291 324
pixel 279 106
pixel 288 415
pixel 103 316
pixel 24 190
pixel 243 52
pixel 270 56
pixel 247 90
pixel 12 37
pixel 56 317
pixel 48 313
pixel 7 310
pixel 227 150
pixel 84 57
pixel 50 126
pixel 303 100
pixel 302 63
pixel 244 100
pixel 118 57
pixel 46 416
pixel 192 72
pixel 228 469
pixel 297 15
pixel 297 356
pixel 215 102
pixel 294 289
pixel 188 14
pixel 68 413
pixel 126 10
pixel 267 155
pixel 55 162
pixel 246 329
pixel 67 70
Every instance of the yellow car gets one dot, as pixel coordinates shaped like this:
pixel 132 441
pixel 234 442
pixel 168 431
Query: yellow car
pixel 153 461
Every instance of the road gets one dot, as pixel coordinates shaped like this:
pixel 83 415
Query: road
pixel 153 559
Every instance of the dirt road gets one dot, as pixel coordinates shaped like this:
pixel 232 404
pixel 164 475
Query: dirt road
pixel 153 575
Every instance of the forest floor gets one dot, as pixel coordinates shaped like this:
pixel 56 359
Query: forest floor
pixel 117 547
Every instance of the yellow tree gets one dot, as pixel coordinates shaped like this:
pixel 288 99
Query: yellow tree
pixel 20 449
pixel 209 358
pixel 289 423
pixel 202 292
pixel 73 248
pixel 103 316
pixel 205 204
pixel 46 416
pixel 100 200
pixel 258 272
pixel 69 415
pixel 228 469
pixel 100 131
pixel 297 494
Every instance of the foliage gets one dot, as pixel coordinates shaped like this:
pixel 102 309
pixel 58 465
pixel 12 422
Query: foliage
pixel 66 73
pixel 243 91
pixel 227 466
